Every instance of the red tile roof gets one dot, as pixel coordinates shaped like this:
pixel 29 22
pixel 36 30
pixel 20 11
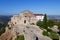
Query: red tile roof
pixel 38 14
pixel 31 15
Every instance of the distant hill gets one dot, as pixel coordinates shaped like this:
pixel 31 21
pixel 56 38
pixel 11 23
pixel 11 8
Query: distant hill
pixel 53 16
pixel 3 23
pixel 4 18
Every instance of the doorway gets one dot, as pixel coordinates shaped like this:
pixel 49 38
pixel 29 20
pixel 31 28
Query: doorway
pixel 36 38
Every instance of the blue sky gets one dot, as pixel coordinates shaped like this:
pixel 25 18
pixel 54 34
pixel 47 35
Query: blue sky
pixel 10 7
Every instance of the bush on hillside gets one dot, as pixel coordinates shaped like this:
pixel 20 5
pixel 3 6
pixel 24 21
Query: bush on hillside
pixel 20 37
pixel 58 24
pixel 2 28
pixel 45 33
pixel 39 23
pixel 51 23
pixel 54 35
pixel 49 30
pixel 51 34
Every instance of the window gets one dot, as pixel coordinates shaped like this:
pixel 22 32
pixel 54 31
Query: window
pixel 24 21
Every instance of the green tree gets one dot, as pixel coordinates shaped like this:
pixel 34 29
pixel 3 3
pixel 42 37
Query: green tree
pixel 58 24
pixel 45 21
pixel 39 23
pixel 51 23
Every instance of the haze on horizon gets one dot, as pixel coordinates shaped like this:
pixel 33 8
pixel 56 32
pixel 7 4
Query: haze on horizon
pixel 10 7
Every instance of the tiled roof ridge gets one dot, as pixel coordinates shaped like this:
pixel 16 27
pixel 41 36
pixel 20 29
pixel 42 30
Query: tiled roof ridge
pixel 39 14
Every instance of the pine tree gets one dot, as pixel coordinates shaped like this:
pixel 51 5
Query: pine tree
pixel 45 21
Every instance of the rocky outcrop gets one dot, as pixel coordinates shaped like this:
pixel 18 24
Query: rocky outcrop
pixel 20 24
pixel 55 28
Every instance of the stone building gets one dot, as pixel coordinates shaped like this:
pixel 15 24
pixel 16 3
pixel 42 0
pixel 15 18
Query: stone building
pixel 26 17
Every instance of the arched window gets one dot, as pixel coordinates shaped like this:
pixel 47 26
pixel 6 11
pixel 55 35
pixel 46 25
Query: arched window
pixel 24 21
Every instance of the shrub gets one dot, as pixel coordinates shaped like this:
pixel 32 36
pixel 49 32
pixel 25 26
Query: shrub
pixel 45 33
pixel 20 37
pixel 54 35
pixel 51 34
pixel 51 23
pixel 58 24
pixel 49 30
pixel 2 30
pixel 39 23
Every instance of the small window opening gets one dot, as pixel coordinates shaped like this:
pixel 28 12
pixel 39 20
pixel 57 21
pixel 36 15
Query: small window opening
pixel 24 21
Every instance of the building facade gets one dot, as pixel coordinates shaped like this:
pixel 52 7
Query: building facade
pixel 39 17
